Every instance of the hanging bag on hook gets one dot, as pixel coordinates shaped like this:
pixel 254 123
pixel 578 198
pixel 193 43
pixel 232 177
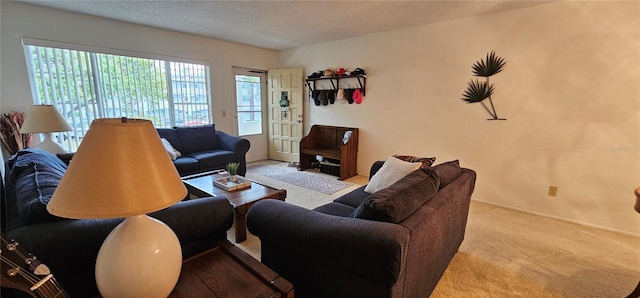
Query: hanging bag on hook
pixel 331 96
pixel 323 98
pixel 341 96
pixel 348 95
pixel 316 97
pixel 357 96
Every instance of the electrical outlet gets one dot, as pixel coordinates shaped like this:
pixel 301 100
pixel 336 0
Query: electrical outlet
pixel 224 113
pixel 553 191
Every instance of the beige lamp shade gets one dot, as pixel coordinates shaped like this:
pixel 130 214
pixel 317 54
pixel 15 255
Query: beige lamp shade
pixel 44 118
pixel 120 169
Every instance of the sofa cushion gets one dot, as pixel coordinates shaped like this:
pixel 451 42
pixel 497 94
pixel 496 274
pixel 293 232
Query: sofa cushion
pixel 186 164
pixel 197 138
pixel 208 159
pixel 446 172
pixel 398 201
pixel 172 136
pixel 392 170
pixel 426 161
pixel 354 198
pixel 337 209
pixel 37 175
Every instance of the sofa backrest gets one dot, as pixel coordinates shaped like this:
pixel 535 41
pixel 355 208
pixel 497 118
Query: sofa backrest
pixel 198 138
pixel 31 177
pixel 402 198
pixel 190 139
pixel 171 135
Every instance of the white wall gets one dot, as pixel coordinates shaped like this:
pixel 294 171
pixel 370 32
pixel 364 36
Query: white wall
pixel 570 92
pixel 25 20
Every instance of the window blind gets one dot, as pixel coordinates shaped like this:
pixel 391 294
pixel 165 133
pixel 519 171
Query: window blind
pixel 86 85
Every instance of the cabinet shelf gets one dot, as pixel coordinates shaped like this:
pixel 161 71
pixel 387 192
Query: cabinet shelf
pixel 335 82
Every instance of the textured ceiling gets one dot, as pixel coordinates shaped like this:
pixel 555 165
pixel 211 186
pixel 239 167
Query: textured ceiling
pixel 278 25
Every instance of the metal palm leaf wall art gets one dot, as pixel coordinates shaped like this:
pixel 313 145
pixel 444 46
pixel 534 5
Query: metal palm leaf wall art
pixel 479 91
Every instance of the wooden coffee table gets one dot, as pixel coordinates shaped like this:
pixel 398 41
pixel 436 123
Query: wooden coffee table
pixel 201 185
pixel 227 271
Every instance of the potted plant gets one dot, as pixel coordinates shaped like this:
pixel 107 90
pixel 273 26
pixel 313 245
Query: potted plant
pixel 479 91
pixel 232 169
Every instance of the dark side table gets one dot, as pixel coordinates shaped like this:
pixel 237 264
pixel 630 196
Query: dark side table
pixel 228 271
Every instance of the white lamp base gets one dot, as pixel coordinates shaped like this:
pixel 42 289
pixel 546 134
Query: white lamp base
pixel 141 257
pixel 49 145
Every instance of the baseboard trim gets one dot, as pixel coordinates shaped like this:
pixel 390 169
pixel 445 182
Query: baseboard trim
pixel 560 218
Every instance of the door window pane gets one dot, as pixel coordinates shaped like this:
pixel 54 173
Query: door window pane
pixel 249 105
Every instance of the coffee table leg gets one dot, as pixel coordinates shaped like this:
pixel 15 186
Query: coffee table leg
pixel 241 215
pixel 241 223
pixel 241 227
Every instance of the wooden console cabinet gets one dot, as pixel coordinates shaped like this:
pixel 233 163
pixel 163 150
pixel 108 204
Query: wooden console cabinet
pixel 327 141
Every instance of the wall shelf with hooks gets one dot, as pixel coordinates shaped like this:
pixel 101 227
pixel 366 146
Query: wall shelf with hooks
pixel 335 82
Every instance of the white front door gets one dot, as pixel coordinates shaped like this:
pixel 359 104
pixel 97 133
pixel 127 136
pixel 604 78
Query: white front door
pixel 285 113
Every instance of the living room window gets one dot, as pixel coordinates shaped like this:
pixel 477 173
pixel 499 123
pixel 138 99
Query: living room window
pixel 89 84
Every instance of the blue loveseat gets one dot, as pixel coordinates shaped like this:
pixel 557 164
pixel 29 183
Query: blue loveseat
pixel 69 247
pixel 203 148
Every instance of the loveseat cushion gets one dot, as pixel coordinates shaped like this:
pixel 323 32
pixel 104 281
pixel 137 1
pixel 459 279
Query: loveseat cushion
pixel 337 209
pixel 186 164
pixel 208 159
pixel 426 161
pixel 447 172
pixel 197 138
pixel 354 198
pixel 392 170
pixel 401 199
pixel 172 136
pixel 37 173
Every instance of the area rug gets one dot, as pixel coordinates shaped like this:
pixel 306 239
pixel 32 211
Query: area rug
pixel 304 179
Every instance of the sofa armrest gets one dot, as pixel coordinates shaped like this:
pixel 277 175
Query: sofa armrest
pixel 238 145
pixel 373 249
pixel 198 220
pixel 70 247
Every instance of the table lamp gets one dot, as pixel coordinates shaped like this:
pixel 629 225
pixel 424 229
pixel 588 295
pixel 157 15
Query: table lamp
pixel 45 119
pixel 121 169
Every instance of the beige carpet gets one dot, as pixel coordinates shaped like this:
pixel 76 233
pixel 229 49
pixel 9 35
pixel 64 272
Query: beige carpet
pixel 507 253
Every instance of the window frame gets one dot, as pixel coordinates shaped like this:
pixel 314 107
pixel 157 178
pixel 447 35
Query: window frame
pixel 240 71
pixel 177 74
